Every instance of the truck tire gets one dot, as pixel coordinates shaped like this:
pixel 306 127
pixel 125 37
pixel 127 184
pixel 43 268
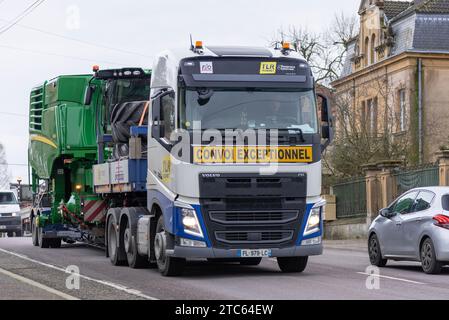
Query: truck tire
pixel 19 233
pixel 43 242
pixel 168 266
pixel 10 234
pixel 292 264
pixel 113 245
pixel 34 232
pixel 135 260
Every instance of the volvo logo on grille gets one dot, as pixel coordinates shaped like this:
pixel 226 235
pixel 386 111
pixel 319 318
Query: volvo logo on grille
pixel 211 175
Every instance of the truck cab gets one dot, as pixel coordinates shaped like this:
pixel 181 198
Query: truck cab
pixel 234 157
pixel 10 218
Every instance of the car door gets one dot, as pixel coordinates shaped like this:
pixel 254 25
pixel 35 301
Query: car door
pixel 393 238
pixel 411 223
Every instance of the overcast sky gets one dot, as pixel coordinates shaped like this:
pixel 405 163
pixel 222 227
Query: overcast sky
pixel 28 56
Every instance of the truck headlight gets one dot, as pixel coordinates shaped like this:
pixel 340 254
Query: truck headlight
pixel 314 221
pixel 190 222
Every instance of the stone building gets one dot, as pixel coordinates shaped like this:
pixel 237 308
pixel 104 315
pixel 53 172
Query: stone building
pixel 396 74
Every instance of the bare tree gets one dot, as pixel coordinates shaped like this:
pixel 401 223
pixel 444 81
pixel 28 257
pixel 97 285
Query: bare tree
pixel 325 51
pixel 4 174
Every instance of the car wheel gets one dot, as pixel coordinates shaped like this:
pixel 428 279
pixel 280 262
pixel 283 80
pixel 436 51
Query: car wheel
pixel 375 255
pixel 168 266
pixel 292 264
pixel 19 233
pixel 429 262
pixel 10 234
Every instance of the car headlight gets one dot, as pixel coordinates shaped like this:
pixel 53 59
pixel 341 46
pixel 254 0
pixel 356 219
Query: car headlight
pixel 15 214
pixel 190 222
pixel 314 221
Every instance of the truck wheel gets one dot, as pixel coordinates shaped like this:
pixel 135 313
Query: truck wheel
pixel 135 260
pixel 429 261
pixel 250 261
pixel 34 232
pixel 113 245
pixel 375 255
pixel 43 242
pixel 10 234
pixel 292 264
pixel 19 233
pixel 168 266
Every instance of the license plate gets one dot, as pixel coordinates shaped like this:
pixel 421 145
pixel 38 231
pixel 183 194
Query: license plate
pixel 257 253
pixel 2 227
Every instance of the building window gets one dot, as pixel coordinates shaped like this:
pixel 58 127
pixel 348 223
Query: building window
pixel 402 110
pixel 372 49
pixel 371 112
pixel 366 51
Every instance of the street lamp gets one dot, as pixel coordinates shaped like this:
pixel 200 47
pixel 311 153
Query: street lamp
pixel 19 189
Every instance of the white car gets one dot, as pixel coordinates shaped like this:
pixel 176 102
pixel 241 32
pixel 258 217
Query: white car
pixel 415 227
pixel 10 218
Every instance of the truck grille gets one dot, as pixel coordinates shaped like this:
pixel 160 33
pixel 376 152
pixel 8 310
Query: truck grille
pixel 251 211
pixel 254 217
pixel 254 237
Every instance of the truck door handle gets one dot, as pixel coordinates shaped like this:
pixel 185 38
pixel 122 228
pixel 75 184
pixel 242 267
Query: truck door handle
pixel 398 223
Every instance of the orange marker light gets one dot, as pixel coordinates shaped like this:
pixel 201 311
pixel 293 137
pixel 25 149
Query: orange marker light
pixel 199 44
pixel 96 68
pixel 286 45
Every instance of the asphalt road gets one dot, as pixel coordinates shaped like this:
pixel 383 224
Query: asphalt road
pixel 27 272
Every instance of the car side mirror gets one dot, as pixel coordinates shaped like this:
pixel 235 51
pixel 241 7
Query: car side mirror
pixel 386 213
pixel 88 94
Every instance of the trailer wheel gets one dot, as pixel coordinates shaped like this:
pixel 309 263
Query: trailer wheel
pixel 43 242
pixel 113 245
pixel 34 232
pixel 168 266
pixel 135 260
pixel 292 264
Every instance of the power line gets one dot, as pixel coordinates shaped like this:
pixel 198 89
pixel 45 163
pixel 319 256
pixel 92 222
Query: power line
pixel 60 55
pixel 13 114
pixel 80 40
pixel 22 15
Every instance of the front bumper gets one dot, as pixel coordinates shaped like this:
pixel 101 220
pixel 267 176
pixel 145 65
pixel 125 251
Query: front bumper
pixel 10 224
pixel 193 252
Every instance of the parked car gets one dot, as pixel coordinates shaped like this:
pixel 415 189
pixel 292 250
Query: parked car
pixel 415 227
pixel 10 218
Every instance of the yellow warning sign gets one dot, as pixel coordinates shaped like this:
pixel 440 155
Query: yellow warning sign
pixel 244 154
pixel 268 67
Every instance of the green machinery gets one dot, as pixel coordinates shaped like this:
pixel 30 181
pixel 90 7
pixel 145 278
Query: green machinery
pixel 70 131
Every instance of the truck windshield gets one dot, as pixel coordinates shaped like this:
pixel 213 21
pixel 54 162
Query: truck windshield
pixel 7 198
pixel 249 109
pixel 127 90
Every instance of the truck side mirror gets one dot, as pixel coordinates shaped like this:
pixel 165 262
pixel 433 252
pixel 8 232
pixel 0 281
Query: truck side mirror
pixel 157 123
pixel 326 120
pixel 88 94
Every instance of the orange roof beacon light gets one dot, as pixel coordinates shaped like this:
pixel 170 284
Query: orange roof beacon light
pixel 96 68
pixel 286 47
pixel 199 45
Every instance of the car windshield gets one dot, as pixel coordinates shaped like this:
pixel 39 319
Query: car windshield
pixel 249 109
pixel 7 198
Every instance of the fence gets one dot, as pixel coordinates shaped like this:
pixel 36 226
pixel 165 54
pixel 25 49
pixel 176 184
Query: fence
pixel 351 198
pixel 424 176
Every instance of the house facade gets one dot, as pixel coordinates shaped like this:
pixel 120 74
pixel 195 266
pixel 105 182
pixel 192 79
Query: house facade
pixel 395 80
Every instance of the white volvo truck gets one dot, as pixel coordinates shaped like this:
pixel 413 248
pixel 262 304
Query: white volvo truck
pixel 233 163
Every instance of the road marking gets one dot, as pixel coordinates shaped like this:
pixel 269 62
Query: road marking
pixel 106 283
pixel 391 278
pixel 38 285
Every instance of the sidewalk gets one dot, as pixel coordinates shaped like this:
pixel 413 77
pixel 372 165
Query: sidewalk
pixel 354 245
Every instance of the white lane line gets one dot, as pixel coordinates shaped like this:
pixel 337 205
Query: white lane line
pixel 391 278
pixel 106 283
pixel 37 285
